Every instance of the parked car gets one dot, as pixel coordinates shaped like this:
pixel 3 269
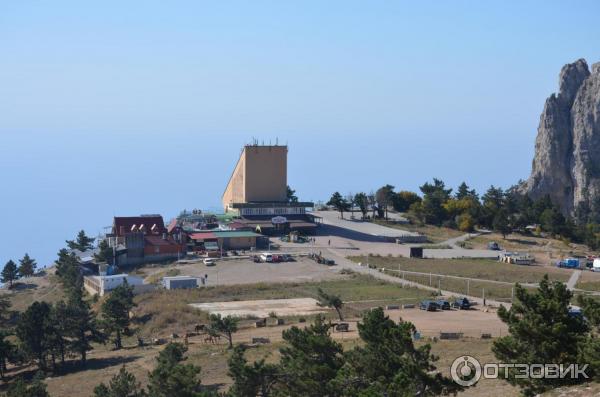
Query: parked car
pixel 256 258
pixel 596 265
pixel 462 304
pixel 210 262
pixel 443 304
pixel 430 306
pixel 266 257
pixel 492 245
pixel 277 258
pixel 287 258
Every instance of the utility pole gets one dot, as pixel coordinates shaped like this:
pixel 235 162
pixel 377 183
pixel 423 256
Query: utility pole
pixel 468 282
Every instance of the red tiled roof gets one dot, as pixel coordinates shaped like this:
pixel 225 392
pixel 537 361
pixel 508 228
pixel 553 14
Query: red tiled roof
pixel 203 236
pixel 123 224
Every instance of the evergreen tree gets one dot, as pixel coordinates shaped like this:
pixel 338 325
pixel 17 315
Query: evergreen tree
pixel 33 329
pixel 541 331
pixel 10 273
pixel 492 203
pixel 82 242
pixel 332 301
pixel 256 379
pixel 58 343
pixel 37 388
pixel 291 195
pixel 27 266
pixel 7 350
pixel 553 221
pixel 310 361
pixel 225 326
pixel 122 384
pixel 170 377
pixel 339 203
pixel 385 198
pixel 105 253
pixel 362 201
pixel 434 197
pixel 115 312
pixel 501 223
pixel 81 326
pixel 404 199
pixel 67 270
pixel 388 364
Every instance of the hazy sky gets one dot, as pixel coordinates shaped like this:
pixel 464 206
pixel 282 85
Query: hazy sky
pixel 122 108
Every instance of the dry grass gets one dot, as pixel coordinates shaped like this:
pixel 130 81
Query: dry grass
pixel 589 281
pixel 166 311
pixel 484 269
pixel 475 268
pixel 44 288
pixel 156 278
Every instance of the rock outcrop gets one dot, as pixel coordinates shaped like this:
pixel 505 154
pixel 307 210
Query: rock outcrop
pixel 566 165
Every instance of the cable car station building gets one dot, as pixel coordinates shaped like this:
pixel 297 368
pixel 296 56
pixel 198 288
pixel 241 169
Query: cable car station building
pixel 257 193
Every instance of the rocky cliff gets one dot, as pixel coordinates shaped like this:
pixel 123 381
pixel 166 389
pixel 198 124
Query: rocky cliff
pixel 567 148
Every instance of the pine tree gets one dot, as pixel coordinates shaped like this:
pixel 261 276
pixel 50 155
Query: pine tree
pixel 33 329
pixel 256 379
pixel 339 203
pixel 115 311
pixel 82 242
pixel 388 363
pixel 332 301
pixel 170 377
pixel 225 326
pixel 541 331
pixel 57 338
pixel 67 270
pixel 7 350
pixel 27 266
pixel 122 384
pixel 310 361
pixel 36 388
pixel 81 326
pixel 10 273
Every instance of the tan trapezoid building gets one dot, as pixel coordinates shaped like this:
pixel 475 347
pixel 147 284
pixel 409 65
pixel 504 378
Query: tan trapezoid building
pixel 260 175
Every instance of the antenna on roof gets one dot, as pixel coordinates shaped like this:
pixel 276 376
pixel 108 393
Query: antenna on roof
pixel 276 141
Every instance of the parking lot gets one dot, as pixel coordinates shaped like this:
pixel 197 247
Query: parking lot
pixel 246 271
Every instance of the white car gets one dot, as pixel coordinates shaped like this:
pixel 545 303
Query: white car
pixel 266 257
pixel 210 262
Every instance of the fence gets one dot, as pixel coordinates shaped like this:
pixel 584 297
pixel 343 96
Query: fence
pixel 497 290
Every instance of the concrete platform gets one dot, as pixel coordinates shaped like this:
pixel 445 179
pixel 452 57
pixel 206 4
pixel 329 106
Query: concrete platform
pixel 262 308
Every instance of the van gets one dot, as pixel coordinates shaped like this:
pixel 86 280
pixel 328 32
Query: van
pixel 266 257
pixel 596 265
pixel 210 262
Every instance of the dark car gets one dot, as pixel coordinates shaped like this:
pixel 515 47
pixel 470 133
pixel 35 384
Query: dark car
pixel 287 258
pixel 430 306
pixel 443 304
pixel 462 304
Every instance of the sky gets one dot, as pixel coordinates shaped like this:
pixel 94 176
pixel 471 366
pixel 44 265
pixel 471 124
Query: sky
pixel 124 108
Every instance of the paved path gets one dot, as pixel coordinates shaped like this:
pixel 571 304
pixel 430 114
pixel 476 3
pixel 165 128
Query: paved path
pixel 573 279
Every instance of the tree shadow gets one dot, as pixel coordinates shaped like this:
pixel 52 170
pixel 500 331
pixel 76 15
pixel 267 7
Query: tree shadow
pixel 20 286
pixel 70 367
pixel 519 241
